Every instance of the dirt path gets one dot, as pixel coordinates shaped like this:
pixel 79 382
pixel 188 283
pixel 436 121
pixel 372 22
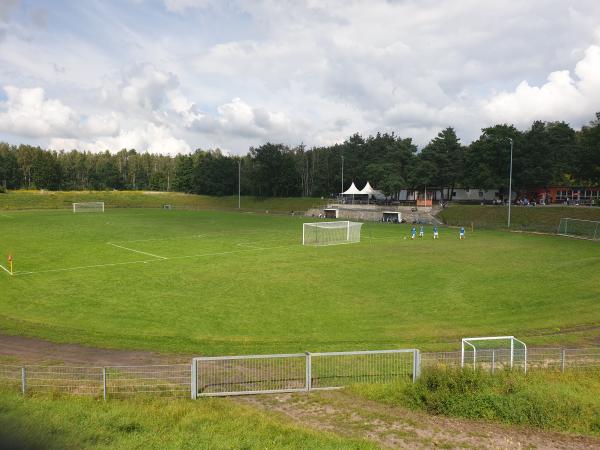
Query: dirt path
pixel 395 427
pixel 20 349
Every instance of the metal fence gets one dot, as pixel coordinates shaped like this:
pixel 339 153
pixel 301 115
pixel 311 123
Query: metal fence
pixel 499 359
pixel 262 374
pixel 235 375
pixel 171 380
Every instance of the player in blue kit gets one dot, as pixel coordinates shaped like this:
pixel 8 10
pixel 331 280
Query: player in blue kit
pixel 413 232
pixel 461 233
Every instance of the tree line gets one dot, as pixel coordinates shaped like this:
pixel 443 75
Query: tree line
pixel 547 153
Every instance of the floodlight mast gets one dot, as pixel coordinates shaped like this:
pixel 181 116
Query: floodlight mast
pixel 510 171
pixel 510 183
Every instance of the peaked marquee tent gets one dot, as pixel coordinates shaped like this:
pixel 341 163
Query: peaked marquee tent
pixel 367 190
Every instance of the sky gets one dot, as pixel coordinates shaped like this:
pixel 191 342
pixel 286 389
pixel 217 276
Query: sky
pixel 171 76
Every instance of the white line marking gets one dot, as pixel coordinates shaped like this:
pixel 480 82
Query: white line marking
pixel 6 270
pixel 166 239
pixel 6 216
pixel 84 267
pixel 137 251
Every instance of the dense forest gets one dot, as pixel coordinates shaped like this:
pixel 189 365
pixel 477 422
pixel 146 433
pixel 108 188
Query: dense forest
pixel 548 153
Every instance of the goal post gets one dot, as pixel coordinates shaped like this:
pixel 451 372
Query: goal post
pixel 88 207
pixel 579 228
pixel 331 233
pixel 493 351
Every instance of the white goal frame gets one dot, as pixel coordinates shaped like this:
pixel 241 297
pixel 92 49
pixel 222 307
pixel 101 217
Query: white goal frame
pixel 88 207
pixel 350 239
pixel 594 225
pixel 512 339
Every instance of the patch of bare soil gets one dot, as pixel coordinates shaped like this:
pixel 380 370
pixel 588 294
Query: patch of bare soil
pixel 24 350
pixel 396 427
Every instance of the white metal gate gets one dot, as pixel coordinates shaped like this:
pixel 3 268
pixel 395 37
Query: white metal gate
pixel 267 374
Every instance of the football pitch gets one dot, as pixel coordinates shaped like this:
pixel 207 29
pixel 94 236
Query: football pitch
pixel 207 283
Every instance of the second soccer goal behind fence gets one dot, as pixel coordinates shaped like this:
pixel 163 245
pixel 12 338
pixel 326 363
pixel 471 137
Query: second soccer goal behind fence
pixel 579 228
pixel 88 207
pixel 331 233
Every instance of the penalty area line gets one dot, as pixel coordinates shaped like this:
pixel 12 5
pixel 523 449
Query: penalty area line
pixel 66 269
pixel 137 251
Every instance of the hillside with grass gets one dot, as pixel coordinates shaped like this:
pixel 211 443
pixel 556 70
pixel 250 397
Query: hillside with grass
pixel 22 200
pixel 532 218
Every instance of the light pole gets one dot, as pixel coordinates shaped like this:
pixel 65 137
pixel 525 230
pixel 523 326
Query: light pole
pixel 510 181
pixel 239 184
pixel 342 174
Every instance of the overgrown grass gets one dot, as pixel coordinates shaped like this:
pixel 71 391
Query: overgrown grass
pixel 549 400
pixel 538 218
pixel 76 423
pixel 15 200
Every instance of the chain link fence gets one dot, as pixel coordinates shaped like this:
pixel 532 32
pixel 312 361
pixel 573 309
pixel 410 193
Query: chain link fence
pixel 214 376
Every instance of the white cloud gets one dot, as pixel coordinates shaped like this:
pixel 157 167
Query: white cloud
pixel 151 138
pixel 140 86
pixel 29 113
pixel 562 97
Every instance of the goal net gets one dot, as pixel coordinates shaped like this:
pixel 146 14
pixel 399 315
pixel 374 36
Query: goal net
pixel 331 233
pixel 584 229
pixel 493 353
pixel 88 207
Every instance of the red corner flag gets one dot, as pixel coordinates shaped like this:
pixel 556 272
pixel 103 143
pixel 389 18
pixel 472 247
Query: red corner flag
pixel 9 258
pixel 10 263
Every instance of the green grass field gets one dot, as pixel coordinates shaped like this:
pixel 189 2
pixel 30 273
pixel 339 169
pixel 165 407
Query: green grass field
pixel 213 282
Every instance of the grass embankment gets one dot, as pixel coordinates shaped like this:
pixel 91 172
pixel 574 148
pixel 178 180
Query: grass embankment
pixel 538 218
pixel 65 423
pixel 15 200
pixel 549 400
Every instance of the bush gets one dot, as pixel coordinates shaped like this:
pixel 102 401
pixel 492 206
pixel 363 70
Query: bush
pixel 562 402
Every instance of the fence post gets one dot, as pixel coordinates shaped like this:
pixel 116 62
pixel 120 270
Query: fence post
pixel 416 365
pixel 194 380
pixel 563 357
pixel 104 383
pixel 493 360
pixel 23 380
pixel 308 371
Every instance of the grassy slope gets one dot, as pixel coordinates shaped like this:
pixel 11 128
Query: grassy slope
pixel 15 200
pixel 256 290
pixel 550 400
pixel 71 423
pixel 537 218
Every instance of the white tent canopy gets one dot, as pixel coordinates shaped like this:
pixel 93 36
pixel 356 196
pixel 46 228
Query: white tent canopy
pixel 368 190
pixel 352 190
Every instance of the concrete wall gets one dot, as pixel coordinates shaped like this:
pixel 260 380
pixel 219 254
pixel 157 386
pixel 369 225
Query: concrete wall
pixel 374 213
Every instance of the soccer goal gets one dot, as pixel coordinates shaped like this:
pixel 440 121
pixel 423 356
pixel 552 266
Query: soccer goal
pixel 331 233
pixel 579 228
pixel 494 352
pixel 88 207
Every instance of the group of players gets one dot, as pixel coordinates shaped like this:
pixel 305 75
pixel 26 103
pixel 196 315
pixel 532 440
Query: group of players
pixel 413 232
